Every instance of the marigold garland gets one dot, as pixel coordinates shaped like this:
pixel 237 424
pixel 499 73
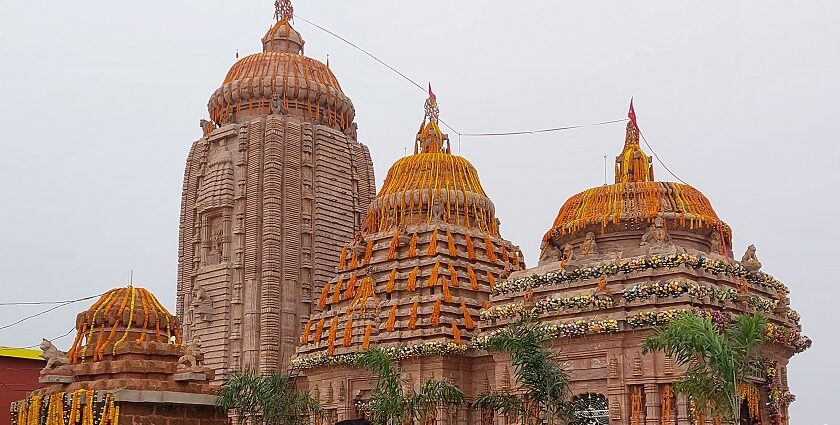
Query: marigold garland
pixel 505 253
pixel 412 279
pixel 491 279
pixel 613 268
pixel 331 340
pixel 392 319
pixel 337 291
pixel 391 281
pixel 470 247
pixel 447 296
pixel 325 293
pixel 395 240
pixel 436 313
pixel 433 244
pixel 412 318
pixel 468 320
pixel 453 276
pixel 412 246
pixel 433 278
pixel 342 260
pixel 348 332
pixel 489 249
pixel 456 335
pixel 351 287
pixel 452 251
pixel 319 331
pixel 304 338
pixel 354 261
pixel 473 277
pixel 366 340
pixel 368 252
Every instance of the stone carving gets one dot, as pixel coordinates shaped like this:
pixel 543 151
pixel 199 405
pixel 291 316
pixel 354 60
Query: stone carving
pixel 342 391
pixel 749 261
pixel 715 244
pixel 193 356
pixel 656 233
pixel 568 253
pixel 437 211
pixel 613 368
pixel 589 247
pixel 330 393
pixel 207 127
pixel 277 105
pixel 54 357
pixel 549 252
pixel 352 131
pixel 202 304
pixel 669 365
pixel 637 365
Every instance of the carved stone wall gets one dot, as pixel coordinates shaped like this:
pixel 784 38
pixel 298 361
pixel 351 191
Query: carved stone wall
pixel 266 206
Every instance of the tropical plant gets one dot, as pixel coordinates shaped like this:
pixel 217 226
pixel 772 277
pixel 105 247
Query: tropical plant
pixel 266 400
pixel 392 405
pixel 716 360
pixel 543 384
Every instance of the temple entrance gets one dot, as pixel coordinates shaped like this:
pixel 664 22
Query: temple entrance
pixel 746 417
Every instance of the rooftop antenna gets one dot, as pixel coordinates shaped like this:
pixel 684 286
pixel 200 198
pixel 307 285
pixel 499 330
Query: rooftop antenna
pixel 328 61
pixel 131 278
pixel 237 53
pixel 605 169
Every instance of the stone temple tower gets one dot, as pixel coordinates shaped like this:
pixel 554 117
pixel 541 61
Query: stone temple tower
pixel 271 191
pixel 412 282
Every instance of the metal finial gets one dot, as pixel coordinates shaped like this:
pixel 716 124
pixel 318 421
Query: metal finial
pixel 283 10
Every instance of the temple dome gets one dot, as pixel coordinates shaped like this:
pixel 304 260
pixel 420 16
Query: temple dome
pixel 281 80
pixel 120 319
pixel 634 201
pixel 432 176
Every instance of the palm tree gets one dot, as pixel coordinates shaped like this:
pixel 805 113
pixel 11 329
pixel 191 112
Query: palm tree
pixel 266 400
pixel 537 372
pixel 715 360
pixel 391 405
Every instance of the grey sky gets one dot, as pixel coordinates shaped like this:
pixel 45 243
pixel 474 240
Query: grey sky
pixel 101 101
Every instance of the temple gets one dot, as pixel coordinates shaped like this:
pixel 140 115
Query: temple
pixel 289 260
pixel 127 365
pixel 413 281
pixel 274 187
pixel 621 259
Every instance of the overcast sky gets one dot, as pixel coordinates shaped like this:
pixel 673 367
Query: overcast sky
pixel 101 101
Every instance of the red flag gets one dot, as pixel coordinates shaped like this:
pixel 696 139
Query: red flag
pixel 431 94
pixel 632 114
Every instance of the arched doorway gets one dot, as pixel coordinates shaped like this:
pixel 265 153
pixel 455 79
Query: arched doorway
pixel 590 409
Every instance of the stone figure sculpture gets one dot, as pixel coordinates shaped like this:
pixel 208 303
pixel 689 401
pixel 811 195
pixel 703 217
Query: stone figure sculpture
pixel 716 246
pixel 568 253
pixel 589 247
pixel 193 356
pixel 749 261
pixel 656 233
pixel 54 357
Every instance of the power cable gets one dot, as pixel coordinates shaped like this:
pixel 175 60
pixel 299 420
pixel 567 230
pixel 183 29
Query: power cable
pixel 45 302
pixel 49 310
pixel 658 159
pixel 416 84
pixel 545 130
